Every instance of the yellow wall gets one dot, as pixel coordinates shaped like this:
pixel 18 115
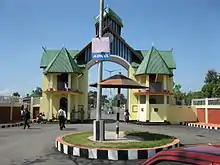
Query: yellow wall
pixel 83 87
pixel 132 99
pixel 44 102
pixel 170 86
pixel 158 116
pixel 134 111
pixel 146 112
pixel 177 114
pixel 75 100
pixel 45 82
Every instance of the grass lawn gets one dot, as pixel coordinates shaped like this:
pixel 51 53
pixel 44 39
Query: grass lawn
pixel 149 140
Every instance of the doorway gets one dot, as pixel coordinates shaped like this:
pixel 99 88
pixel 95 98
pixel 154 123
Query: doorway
pixel 63 104
pixel 142 109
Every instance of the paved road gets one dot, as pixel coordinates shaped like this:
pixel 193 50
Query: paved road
pixel 36 145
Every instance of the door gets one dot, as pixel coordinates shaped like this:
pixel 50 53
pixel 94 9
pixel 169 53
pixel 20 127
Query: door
pixel 142 108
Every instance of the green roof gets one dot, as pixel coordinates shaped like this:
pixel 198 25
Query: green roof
pixel 167 56
pixel 155 62
pixel 48 56
pixel 110 13
pixel 63 62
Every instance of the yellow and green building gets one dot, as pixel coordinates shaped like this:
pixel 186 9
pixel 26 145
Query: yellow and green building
pixel 65 76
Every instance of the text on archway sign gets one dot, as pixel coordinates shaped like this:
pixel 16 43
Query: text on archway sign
pixel 101 49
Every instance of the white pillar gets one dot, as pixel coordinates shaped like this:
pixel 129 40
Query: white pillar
pixel 69 81
pixel 77 83
pixel 165 82
pixel 165 107
pixel 147 108
pixel 32 106
pixel 69 107
pixel 51 81
pixel 206 110
pixel 165 100
pixel 147 100
pixel 147 81
pixel 76 106
pixel 49 115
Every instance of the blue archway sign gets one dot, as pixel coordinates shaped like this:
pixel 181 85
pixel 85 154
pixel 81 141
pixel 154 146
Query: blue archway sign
pixel 101 49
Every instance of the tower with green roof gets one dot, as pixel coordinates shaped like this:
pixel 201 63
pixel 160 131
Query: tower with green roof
pixel 65 75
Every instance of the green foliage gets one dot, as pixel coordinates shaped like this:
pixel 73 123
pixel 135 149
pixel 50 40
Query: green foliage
pixel 35 93
pixel 16 94
pixel 122 99
pixel 178 94
pixel 92 98
pixel 210 89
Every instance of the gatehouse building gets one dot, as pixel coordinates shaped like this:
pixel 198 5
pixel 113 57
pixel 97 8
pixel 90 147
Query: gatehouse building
pixel 65 76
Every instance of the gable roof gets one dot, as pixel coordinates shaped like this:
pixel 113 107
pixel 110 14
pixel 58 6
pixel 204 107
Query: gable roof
pixel 109 12
pixel 62 63
pixel 167 55
pixel 154 63
pixel 48 56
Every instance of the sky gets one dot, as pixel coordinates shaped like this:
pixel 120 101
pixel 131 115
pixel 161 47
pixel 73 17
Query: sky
pixel 190 27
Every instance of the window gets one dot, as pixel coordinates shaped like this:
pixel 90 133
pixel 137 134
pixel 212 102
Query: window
pixel 142 99
pixel 172 163
pixel 152 101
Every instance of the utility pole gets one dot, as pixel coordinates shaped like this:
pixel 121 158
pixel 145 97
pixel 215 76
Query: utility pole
pixel 98 126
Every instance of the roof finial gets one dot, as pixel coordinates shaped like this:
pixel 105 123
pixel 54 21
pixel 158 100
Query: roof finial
pixel 152 44
pixel 171 49
pixel 44 48
pixel 106 5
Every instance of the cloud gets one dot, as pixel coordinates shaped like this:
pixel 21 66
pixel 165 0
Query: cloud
pixel 6 92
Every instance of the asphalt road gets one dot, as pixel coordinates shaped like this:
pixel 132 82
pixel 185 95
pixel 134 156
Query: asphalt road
pixel 35 146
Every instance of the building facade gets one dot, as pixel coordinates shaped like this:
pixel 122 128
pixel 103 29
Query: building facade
pixel 65 76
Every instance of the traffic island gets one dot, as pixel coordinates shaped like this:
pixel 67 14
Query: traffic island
pixel 131 145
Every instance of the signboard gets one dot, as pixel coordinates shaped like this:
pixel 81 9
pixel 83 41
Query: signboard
pixel 101 49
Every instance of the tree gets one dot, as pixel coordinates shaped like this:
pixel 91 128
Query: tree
pixel 178 94
pixel 16 94
pixel 92 98
pixel 211 77
pixel 211 88
pixel 35 93
pixel 122 99
pixel 197 95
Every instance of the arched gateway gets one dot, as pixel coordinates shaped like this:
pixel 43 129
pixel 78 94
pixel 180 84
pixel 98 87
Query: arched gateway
pixel 152 68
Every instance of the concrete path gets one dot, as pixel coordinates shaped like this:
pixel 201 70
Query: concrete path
pixel 35 146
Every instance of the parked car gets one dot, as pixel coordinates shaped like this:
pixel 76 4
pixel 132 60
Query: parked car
pixel 204 154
